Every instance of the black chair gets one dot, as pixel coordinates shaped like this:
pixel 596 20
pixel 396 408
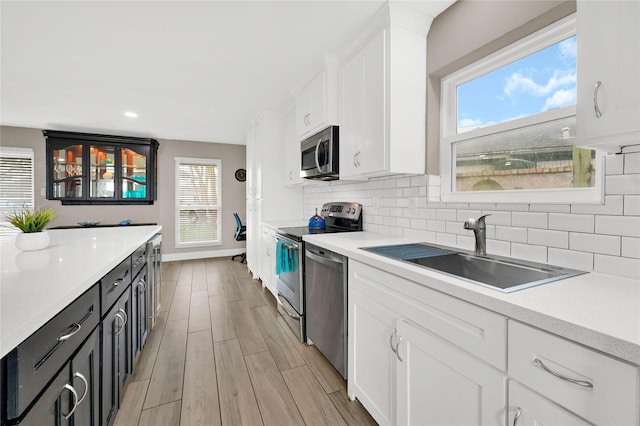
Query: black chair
pixel 240 236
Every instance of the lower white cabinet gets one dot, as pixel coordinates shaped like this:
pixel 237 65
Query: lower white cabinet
pixel 527 408
pixel 420 357
pixel 440 384
pixel 268 255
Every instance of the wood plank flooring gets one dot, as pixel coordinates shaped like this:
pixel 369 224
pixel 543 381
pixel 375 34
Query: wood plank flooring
pixel 221 355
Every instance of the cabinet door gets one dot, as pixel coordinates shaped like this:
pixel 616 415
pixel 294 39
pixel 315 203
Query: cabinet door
pixel 371 360
pixel 527 408
pixel 85 378
pixel 65 170
pixel 53 405
pixel 291 152
pixel 609 54
pixel 440 384
pixel 363 110
pixel 140 312
pixel 268 253
pixel 318 102
pixel 135 170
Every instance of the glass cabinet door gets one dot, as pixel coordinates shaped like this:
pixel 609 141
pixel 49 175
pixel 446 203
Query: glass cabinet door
pixel 67 171
pixel 134 173
pixel 103 165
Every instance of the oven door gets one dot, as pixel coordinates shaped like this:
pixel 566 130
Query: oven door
pixel 291 289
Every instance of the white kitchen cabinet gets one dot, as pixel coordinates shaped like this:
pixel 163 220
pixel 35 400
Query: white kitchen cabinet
pixel 527 408
pixel 291 152
pixel 598 388
pixel 382 93
pixel 440 384
pixel 269 259
pixel 268 198
pixel 609 66
pixel 316 106
pixel 418 356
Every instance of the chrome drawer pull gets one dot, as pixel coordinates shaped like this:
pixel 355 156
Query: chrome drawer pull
pixel 596 107
pixel 582 383
pixel 139 259
pixel 391 339
pixel 117 282
pixel 69 335
pixel 517 416
pixel 86 385
pixel 397 351
pixel 70 388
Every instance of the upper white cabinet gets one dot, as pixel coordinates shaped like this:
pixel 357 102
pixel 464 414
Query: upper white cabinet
pixel 316 106
pixel 291 152
pixel 608 113
pixel 382 93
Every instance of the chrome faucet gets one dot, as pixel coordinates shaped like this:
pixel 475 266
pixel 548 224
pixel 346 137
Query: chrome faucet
pixel 479 228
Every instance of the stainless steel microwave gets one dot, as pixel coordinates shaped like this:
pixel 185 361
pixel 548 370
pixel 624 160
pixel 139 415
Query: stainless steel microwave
pixel 319 155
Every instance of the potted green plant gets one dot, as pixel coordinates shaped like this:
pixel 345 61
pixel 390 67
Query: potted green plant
pixel 31 223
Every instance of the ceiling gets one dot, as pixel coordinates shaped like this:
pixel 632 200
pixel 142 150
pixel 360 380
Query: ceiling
pixel 191 70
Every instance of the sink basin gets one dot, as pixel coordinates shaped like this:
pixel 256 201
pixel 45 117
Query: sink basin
pixel 496 272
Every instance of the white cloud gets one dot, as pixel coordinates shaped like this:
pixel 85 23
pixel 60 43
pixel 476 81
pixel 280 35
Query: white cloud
pixel 517 82
pixel 560 98
pixel 568 47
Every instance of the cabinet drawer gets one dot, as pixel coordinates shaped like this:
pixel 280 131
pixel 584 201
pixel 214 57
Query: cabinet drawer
pixel 138 259
pixel 35 361
pixel 474 329
pixel 601 389
pixel 115 283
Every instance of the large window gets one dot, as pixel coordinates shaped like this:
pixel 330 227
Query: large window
pixel 509 125
pixel 16 184
pixel 198 202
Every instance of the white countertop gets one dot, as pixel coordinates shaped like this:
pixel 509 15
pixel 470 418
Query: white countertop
pixel 275 224
pixel 35 286
pixel 597 310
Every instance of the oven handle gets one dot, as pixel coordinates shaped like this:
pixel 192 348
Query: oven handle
pixel 317 160
pixel 286 309
pixel 288 244
pixel 335 264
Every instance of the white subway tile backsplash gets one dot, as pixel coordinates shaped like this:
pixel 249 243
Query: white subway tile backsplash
pixel 403 182
pixel 614 164
pixel 516 207
pixel 419 224
pixel 628 226
pixel 482 206
pixel 529 252
pixel 571 259
pixel 616 265
pixel 613 205
pixel 622 184
pixel 446 239
pixel 571 222
pixel 389 183
pixel 463 215
pixel 500 248
pixel 632 163
pixel 465 242
pixel 550 208
pixel 544 237
pixel 434 180
pixel 464 206
pixel 498 217
pixel 529 220
pixel 631 247
pixel 455 228
pixel 420 180
pixel 436 225
pixel 632 205
pixel 595 243
pixel 509 233
pixel 445 214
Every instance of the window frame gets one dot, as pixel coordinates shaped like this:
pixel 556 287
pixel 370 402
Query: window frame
pixel 218 207
pixel 545 37
pixel 14 152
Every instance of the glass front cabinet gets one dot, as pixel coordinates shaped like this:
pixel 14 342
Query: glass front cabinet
pixel 85 168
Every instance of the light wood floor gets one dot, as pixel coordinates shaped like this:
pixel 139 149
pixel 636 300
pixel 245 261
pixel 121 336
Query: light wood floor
pixel 221 355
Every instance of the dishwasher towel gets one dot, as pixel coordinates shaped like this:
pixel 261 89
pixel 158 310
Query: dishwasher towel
pixel 286 259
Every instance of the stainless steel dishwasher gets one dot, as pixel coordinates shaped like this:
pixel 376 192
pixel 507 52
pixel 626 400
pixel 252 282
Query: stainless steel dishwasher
pixel 326 304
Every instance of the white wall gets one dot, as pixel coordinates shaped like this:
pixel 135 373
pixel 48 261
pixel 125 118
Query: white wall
pixel 602 238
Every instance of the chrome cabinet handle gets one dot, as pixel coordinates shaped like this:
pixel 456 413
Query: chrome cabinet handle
pixel 69 335
pixel 290 175
pixel 517 416
pixel 595 99
pixel 126 317
pixel 142 284
pixel 117 282
pixel 139 259
pixel 121 319
pixel 582 383
pixel 86 385
pixel 317 149
pixel 397 346
pixel 393 333
pixel 70 388
pixel 355 163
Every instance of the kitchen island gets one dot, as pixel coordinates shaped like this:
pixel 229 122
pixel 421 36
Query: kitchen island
pixel 35 286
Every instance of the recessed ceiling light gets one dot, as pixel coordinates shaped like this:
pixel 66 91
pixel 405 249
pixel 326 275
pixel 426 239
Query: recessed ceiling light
pixel 131 114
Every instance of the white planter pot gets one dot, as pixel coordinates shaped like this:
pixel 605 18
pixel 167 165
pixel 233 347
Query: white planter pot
pixel 32 241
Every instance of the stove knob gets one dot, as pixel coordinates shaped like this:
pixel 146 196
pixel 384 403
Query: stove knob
pixel 348 209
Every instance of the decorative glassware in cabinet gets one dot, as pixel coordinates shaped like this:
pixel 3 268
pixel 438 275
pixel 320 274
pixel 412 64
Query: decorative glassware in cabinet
pixel 134 174
pixel 67 172
pixel 102 171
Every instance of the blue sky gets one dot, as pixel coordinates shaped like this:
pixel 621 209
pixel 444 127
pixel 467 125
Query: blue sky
pixel 536 83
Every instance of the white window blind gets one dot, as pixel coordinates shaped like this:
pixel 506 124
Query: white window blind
pixel 198 202
pixel 16 184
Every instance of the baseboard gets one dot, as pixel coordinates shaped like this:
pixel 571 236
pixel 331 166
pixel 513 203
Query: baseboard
pixel 173 257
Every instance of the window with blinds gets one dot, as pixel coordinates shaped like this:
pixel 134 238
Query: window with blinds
pixel 16 184
pixel 198 202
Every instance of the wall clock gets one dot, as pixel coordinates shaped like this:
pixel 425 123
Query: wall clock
pixel 241 175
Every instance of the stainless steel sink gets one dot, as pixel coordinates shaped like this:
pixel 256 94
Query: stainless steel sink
pixel 496 272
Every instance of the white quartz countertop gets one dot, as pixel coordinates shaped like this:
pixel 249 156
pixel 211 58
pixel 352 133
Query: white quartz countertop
pixel 597 310
pixel 290 223
pixel 35 286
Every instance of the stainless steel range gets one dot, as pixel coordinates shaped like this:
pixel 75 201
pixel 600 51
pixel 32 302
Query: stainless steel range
pixel 339 217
